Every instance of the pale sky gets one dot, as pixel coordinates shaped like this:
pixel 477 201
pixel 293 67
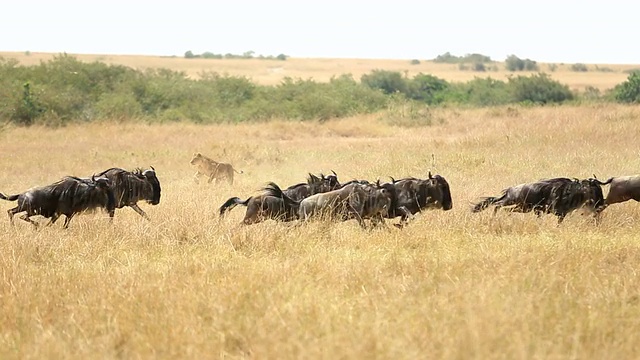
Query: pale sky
pixel 548 31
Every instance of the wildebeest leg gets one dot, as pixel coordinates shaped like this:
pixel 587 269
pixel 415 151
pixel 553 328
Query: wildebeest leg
pixel 561 218
pixel 404 218
pixel 67 219
pixel 11 212
pixel 26 218
pixel 140 211
pixel 53 219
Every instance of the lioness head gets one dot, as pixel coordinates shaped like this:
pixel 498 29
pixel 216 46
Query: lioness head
pixel 196 157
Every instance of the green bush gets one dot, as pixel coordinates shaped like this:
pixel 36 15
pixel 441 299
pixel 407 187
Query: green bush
pixel 579 67
pixel 628 91
pixel 468 58
pixel 388 81
pixel 538 89
pixel 514 63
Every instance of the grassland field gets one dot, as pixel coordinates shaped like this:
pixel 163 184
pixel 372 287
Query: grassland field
pixel 271 72
pixel 451 285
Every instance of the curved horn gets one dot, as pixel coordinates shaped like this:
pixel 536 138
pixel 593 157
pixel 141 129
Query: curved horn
pixel 393 181
pixel 152 168
pixel 334 173
pixel 603 183
pixel 93 177
pixel 430 177
pixel 378 182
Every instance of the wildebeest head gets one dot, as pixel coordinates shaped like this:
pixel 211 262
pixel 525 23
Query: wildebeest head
pixel 321 184
pixel 150 176
pixel 439 191
pixel 593 191
pixel 332 181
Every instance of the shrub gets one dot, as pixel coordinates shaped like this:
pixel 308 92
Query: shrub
pixel 478 66
pixel 514 63
pixel 628 91
pixel 538 89
pixel 415 62
pixel 387 81
pixel 579 67
pixel 426 88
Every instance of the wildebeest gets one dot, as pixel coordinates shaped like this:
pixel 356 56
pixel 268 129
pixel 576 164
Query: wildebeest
pixel 267 206
pixel 558 196
pixel 623 188
pixel 353 201
pixel 415 195
pixel 212 169
pixel 68 197
pixel 129 187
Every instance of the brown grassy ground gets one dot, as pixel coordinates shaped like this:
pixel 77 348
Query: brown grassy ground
pixel 273 71
pixel 452 285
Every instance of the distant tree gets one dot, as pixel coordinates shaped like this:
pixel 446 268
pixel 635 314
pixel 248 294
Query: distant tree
pixel 189 55
pixel 514 63
pixel 415 62
pixel 579 67
pixel 281 57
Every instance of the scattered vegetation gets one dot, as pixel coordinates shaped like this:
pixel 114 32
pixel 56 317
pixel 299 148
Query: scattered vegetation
pixel 247 55
pixel 65 89
pixel 579 67
pixel 469 58
pixel 629 91
pixel 514 63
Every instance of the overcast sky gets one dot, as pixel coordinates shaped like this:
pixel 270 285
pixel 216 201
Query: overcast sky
pixel 549 31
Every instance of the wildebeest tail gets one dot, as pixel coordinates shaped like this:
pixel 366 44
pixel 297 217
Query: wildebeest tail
pixel 9 198
pixel 485 203
pixel 231 203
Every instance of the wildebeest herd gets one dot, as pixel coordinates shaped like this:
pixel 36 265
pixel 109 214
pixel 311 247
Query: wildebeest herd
pixel 321 197
pixel 109 190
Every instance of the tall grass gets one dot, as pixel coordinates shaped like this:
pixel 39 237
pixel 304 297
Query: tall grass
pixel 451 285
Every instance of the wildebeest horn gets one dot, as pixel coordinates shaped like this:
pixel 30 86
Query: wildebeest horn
pixel 603 183
pixel 93 177
pixel 430 177
pixel 378 182
pixel 393 181
pixel 152 168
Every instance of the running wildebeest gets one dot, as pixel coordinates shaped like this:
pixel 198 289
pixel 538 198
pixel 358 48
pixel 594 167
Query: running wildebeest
pixel 129 187
pixel 558 196
pixel 415 195
pixel 353 201
pixel 68 197
pixel 266 206
pixel 623 188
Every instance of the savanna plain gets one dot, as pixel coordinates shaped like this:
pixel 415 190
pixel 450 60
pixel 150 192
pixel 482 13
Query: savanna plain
pixel 451 285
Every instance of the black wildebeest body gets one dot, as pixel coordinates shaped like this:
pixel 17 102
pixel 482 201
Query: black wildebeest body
pixel 415 195
pixel 129 187
pixel 558 196
pixel 354 201
pixel 623 188
pixel 523 197
pixel 267 206
pixel 68 197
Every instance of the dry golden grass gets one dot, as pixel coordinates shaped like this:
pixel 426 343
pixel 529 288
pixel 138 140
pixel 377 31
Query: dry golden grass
pixel 271 72
pixel 451 285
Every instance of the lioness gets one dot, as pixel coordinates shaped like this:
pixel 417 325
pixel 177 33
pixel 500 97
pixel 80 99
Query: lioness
pixel 212 169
